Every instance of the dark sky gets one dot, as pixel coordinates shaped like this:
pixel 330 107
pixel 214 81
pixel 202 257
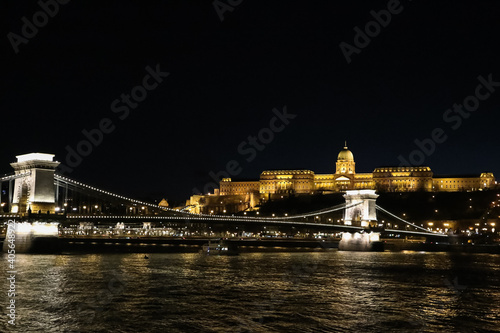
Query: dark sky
pixel 227 76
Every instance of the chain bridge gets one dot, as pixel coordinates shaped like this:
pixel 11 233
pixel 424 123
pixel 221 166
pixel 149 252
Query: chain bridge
pixel 36 194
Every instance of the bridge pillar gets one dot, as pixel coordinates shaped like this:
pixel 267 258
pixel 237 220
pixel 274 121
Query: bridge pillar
pixel 36 237
pixel 363 214
pixel 35 191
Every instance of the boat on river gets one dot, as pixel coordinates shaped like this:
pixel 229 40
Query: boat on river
pixel 220 247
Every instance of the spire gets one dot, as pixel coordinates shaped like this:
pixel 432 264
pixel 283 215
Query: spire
pixel 345 144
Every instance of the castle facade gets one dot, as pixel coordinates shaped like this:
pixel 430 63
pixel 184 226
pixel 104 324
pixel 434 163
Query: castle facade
pixel 241 195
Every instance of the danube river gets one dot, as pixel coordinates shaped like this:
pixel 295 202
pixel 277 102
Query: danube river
pixel 256 292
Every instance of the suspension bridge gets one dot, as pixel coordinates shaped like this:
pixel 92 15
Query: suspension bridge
pixel 35 193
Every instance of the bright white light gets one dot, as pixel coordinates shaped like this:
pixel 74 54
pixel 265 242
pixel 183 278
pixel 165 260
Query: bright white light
pixel 346 235
pixel 45 229
pixel 23 228
pixel 374 237
pixel 35 157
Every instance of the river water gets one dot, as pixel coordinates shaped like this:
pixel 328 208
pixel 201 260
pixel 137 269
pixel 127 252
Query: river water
pixel 256 292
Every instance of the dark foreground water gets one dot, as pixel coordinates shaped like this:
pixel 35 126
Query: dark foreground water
pixel 256 292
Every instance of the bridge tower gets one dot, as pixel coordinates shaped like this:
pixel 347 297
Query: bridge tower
pixel 364 214
pixel 35 190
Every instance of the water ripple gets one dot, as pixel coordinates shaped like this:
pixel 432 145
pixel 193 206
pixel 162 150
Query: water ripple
pixel 262 292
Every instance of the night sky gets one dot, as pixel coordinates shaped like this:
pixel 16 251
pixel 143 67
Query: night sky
pixel 226 77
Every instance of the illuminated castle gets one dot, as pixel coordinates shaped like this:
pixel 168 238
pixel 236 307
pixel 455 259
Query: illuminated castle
pixel 276 183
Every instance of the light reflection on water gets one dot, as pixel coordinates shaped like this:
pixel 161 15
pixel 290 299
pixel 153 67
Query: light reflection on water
pixel 257 292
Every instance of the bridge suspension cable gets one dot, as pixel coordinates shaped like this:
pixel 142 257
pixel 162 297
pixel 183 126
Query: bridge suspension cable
pixel 14 176
pixel 322 211
pixel 77 184
pixel 400 219
pixel 317 212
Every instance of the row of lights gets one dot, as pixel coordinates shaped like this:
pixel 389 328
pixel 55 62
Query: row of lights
pixel 169 209
pixel 111 194
pixel 273 215
pixel 174 218
pixel 15 176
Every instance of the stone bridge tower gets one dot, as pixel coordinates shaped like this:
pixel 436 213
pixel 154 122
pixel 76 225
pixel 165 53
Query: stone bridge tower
pixel 364 214
pixel 35 190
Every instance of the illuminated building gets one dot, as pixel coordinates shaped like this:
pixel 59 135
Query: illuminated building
pixel 241 195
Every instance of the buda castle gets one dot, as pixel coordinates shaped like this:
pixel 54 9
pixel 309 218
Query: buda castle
pixel 241 195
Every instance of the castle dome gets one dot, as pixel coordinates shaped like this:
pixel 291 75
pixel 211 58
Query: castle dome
pixel 345 155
